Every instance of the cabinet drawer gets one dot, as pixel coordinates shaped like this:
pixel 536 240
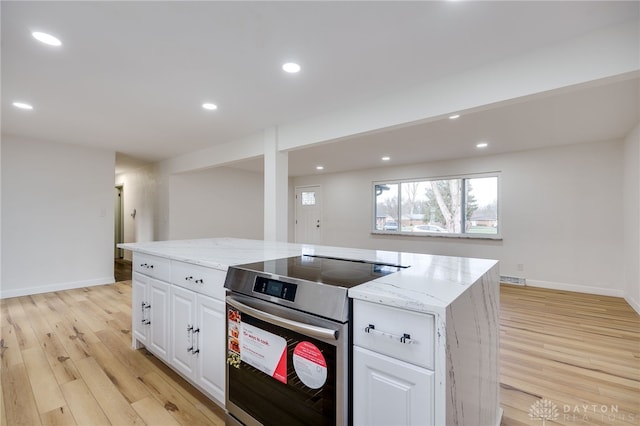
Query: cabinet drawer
pixel 200 279
pixel 153 266
pixel 400 334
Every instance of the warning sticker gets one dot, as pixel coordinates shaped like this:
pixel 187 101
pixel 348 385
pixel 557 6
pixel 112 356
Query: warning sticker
pixel 310 365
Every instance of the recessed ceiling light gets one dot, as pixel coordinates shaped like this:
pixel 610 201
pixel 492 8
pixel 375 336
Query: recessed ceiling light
pixel 482 145
pixel 291 67
pixel 46 38
pixel 319 167
pixel 454 116
pixel 386 158
pixel 22 105
pixel 209 106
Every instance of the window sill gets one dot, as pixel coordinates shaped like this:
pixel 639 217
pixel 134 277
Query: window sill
pixel 491 237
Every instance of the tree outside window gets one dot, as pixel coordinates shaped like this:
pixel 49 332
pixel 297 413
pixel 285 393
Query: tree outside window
pixel 438 206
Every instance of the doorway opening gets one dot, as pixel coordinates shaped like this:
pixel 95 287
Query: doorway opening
pixel 119 224
pixel 121 267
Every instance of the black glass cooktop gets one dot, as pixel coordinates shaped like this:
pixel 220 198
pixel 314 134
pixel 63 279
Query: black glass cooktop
pixel 327 270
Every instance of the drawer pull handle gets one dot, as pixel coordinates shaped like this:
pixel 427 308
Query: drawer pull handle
pixel 405 338
pixel 200 281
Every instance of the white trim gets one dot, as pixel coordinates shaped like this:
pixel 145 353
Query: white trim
pixel 462 177
pixel 499 419
pixel 467 235
pixel 602 291
pixel 635 305
pixel 56 287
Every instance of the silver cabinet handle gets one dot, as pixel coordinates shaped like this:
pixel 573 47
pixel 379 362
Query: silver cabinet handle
pixel 190 337
pixel 299 327
pixel 196 345
pixel 142 311
pixel 405 338
pixel 145 317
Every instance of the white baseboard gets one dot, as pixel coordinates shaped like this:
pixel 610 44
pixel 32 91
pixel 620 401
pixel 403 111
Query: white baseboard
pixel 500 414
pixel 5 294
pixel 633 303
pixel 602 291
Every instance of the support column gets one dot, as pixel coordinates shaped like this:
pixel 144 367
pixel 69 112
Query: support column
pixel 276 188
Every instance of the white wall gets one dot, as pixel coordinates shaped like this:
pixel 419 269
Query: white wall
pixel 561 214
pixel 217 202
pixel 632 217
pixel 57 216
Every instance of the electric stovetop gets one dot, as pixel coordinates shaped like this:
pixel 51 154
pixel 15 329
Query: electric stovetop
pixel 326 270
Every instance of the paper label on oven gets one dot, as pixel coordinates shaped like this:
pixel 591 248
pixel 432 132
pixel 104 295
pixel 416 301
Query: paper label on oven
pixel 310 365
pixel 263 350
pixel 233 337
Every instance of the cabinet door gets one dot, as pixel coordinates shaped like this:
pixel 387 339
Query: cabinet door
pixel 159 319
pixel 211 343
pixel 183 303
pixel 380 382
pixel 138 312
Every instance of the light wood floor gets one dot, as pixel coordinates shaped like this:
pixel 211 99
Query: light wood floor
pixel 67 359
pixel 580 352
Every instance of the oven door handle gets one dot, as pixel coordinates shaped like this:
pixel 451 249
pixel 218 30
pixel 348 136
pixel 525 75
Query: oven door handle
pixel 298 327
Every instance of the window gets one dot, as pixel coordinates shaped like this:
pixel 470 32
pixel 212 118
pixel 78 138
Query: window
pixel 308 198
pixel 462 206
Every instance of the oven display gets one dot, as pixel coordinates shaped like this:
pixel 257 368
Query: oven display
pixel 279 289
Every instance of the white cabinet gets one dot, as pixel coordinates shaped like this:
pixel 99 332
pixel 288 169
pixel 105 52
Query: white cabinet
pixel 153 266
pixel 198 339
pixel 211 363
pixel 178 315
pixel 381 382
pixel 183 307
pixel 393 362
pixel 199 279
pixel 150 305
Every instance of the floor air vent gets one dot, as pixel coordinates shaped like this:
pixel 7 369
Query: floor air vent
pixel 513 280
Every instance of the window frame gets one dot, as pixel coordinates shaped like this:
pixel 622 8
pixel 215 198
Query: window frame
pixel 427 234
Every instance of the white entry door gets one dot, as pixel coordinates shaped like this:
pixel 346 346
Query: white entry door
pixel 308 213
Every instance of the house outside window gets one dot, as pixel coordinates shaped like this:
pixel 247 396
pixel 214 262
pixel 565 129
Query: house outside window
pixel 463 206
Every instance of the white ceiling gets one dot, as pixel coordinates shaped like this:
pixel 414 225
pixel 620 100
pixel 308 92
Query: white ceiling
pixel 131 76
pixel 577 115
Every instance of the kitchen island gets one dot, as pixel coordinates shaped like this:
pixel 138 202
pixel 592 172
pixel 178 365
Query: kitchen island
pixel 425 338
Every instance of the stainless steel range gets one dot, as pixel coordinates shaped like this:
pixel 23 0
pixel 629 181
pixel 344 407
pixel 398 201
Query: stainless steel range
pixel 288 340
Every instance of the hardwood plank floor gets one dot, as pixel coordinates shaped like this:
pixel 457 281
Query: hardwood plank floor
pixel 122 269
pixel 66 359
pixel 578 351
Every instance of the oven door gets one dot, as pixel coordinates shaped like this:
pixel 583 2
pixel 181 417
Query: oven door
pixel 284 367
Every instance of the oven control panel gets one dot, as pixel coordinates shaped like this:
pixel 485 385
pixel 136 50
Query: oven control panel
pixel 275 288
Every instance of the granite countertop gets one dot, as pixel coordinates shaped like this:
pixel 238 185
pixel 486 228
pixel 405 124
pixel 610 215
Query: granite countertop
pixel 431 283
